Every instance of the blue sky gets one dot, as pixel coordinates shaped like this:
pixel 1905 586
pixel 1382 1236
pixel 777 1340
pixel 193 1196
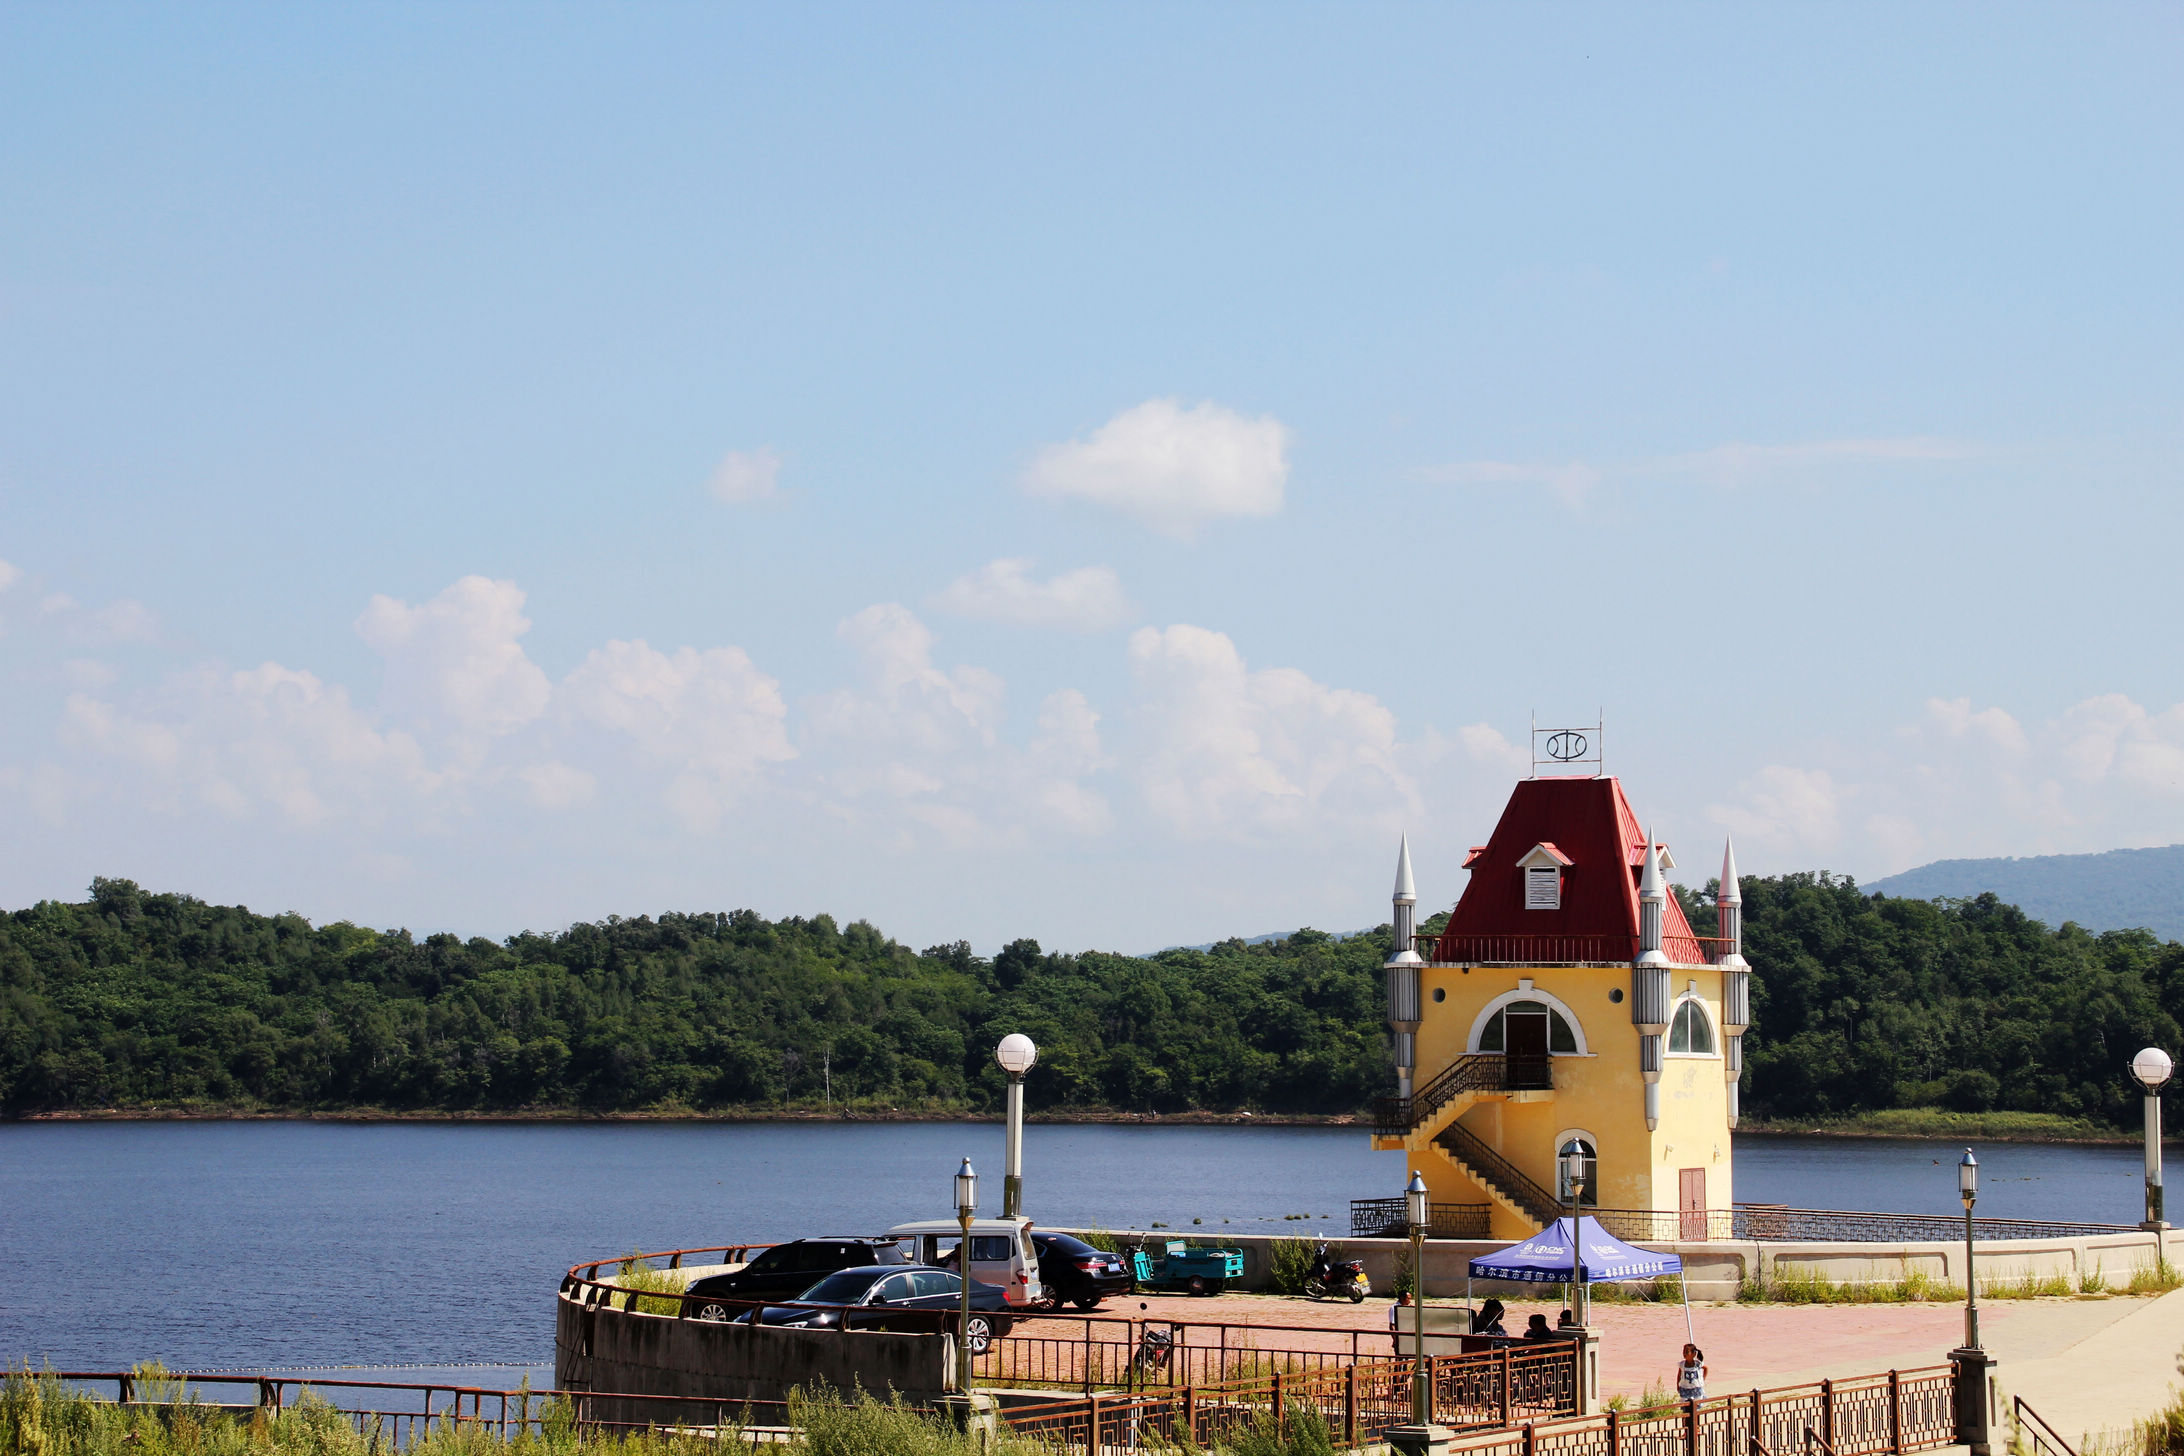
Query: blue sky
pixel 1096 473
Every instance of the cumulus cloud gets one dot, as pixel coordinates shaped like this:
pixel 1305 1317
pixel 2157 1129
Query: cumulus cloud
pixel 711 718
pixel 916 749
pixel 268 739
pixel 1172 468
pixel 1231 751
pixel 456 659
pixel 1088 599
pixel 9 575
pixel 745 476
pixel 1966 781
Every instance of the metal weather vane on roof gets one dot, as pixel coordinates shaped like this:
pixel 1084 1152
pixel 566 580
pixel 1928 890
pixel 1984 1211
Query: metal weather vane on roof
pixel 1568 747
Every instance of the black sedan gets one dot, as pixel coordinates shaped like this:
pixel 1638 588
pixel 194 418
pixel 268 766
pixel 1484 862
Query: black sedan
pixel 1073 1272
pixel 889 1297
pixel 787 1270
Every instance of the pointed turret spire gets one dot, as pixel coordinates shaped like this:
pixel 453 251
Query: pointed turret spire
pixel 1649 879
pixel 1730 894
pixel 1404 888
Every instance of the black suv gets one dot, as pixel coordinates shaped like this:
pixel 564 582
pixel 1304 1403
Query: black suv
pixel 787 1270
pixel 1073 1272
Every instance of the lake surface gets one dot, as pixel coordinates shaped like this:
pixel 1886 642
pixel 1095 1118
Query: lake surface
pixel 215 1245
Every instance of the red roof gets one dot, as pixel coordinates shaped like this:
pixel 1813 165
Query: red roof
pixel 1590 822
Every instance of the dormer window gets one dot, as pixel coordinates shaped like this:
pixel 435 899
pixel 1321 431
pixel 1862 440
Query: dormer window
pixel 1543 867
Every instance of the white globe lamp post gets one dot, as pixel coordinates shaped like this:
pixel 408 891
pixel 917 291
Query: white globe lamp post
pixel 1017 1055
pixel 2152 1068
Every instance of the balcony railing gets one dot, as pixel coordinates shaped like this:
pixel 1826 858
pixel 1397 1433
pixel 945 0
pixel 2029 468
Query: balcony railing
pixel 1562 950
pixel 1474 1072
pixel 1384 1218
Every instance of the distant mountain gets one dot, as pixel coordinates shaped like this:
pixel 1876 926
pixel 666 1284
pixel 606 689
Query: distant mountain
pixel 2119 890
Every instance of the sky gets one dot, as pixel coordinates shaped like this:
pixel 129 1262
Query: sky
pixel 1095 473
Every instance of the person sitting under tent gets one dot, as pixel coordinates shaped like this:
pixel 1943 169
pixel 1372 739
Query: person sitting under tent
pixel 1486 1320
pixel 1537 1329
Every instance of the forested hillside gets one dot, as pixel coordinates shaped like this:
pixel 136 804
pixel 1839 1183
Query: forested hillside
pixel 135 999
pixel 2110 891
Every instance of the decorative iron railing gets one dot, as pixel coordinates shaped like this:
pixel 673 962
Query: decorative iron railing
pixel 1385 1218
pixel 1500 1173
pixel 1473 1072
pixel 1450 948
pixel 2034 1434
pixel 1758 1222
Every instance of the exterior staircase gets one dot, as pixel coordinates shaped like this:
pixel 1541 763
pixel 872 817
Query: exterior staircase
pixel 1498 1176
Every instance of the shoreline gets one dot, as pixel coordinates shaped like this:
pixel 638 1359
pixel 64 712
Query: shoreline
pixel 1082 1118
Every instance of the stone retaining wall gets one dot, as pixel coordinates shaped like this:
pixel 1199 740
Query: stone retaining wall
pixel 598 1348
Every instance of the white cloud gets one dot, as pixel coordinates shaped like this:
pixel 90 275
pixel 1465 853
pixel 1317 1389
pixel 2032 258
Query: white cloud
pixel 1229 751
pixel 88 673
pixel 745 476
pixel 1737 463
pixel 916 752
pixel 1570 482
pixel 122 620
pixel 265 738
pixel 557 785
pixel 1172 468
pixel 1781 807
pixel 1729 465
pixel 1088 599
pixel 711 718
pixel 456 657
pixel 9 575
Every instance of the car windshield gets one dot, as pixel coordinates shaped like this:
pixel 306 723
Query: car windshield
pixel 1064 1244
pixel 847 1287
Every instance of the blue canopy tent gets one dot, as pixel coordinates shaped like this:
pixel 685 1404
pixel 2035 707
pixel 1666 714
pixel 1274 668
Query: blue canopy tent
pixel 1601 1257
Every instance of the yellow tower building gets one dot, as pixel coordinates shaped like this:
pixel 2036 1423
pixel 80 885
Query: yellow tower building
pixel 1567 1004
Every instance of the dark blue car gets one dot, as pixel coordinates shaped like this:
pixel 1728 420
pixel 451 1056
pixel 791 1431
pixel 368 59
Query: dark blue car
pixel 919 1299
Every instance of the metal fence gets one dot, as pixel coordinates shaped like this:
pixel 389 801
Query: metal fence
pixel 1383 1218
pixel 1869 1415
pixel 397 1413
pixel 1759 1222
pixel 1356 1402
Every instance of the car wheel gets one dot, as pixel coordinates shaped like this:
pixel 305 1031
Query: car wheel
pixel 1087 1301
pixel 1198 1284
pixel 978 1333
pixel 711 1310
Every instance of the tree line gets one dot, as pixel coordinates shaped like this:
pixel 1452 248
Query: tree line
pixel 140 1000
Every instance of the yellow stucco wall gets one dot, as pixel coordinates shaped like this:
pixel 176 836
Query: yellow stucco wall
pixel 1599 1094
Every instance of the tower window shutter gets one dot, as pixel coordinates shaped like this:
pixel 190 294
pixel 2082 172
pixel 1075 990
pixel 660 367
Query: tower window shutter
pixel 1543 888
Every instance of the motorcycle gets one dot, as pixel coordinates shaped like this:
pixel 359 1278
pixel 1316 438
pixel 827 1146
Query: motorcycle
pixel 1328 1277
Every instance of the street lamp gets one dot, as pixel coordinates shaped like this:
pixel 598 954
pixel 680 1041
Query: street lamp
pixel 966 1204
pixel 1016 1054
pixel 2152 1068
pixel 1573 1175
pixel 1415 1212
pixel 1968 1190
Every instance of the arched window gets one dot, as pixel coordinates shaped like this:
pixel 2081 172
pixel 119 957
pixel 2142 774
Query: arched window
pixel 1560 1039
pixel 1691 1031
pixel 1583 1144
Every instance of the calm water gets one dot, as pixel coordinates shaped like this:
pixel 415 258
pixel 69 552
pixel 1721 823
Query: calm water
pixel 219 1245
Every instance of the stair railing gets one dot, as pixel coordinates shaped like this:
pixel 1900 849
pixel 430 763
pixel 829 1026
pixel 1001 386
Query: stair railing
pixel 1542 1206
pixel 2044 1440
pixel 1474 1072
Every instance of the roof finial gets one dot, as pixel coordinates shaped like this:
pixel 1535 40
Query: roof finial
pixel 1649 879
pixel 1404 888
pixel 1729 893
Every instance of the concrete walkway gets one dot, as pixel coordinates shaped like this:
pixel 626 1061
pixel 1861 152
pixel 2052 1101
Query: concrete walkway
pixel 2098 1384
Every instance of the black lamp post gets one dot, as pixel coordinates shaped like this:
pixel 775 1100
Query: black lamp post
pixel 966 1204
pixel 1968 1190
pixel 1415 1212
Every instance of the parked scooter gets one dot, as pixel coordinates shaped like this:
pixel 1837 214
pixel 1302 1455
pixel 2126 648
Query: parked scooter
pixel 1328 1277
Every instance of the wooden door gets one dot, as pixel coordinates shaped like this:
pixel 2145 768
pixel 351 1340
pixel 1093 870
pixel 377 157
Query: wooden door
pixel 1527 1042
pixel 1691 1204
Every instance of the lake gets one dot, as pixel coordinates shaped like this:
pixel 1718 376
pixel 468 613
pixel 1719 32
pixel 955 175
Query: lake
pixel 220 1245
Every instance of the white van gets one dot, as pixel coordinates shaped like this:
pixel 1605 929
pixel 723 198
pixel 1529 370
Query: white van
pixel 1001 1252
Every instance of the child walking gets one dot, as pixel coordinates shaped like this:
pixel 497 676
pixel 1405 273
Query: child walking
pixel 1691 1375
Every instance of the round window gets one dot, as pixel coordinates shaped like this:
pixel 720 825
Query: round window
pixel 1440 993
pixel 1616 995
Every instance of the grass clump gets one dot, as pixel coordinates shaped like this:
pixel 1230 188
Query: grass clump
pixel 1289 1263
pixel 1303 1432
pixel 1657 1400
pixel 645 1285
pixel 1795 1285
pixel 2156 1278
pixel 831 1426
